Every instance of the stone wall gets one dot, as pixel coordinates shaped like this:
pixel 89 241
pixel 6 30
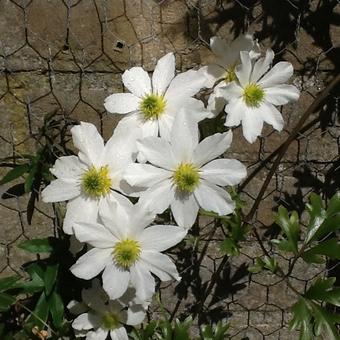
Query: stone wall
pixel 67 56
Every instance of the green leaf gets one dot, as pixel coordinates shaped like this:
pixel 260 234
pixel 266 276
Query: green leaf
pixel 50 277
pixel 56 308
pixel 334 205
pixel 329 248
pixel 36 284
pixel 40 312
pixel 322 289
pixel 229 247
pixel 30 178
pixel 317 215
pixel 259 264
pixel 270 263
pixel 329 225
pixel 302 320
pixel 8 282
pixel 181 330
pixel 37 246
pixel 325 322
pixel 290 227
pixel 14 173
pixel 6 301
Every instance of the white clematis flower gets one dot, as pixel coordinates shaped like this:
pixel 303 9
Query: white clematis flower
pixel 99 316
pixel 223 70
pixel 183 174
pixel 252 98
pixel 126 251
pixel 153 103
pixel 92 177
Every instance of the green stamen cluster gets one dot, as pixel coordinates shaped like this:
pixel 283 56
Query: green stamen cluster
pixel 230 75
pixel 126 253
pixel 152 106
pixel 110 321
pixel 186 177
pixel 96 182
pixel 253 95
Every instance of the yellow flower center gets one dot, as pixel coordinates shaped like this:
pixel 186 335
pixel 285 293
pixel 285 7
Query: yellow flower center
pixel 152 106
pixel 110 321
pixel 230 74
pixel 186 177
pixel 253 95
pixel 96 182
pixel 126 253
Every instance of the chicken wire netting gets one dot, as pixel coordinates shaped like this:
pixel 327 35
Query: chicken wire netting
pixel 62 58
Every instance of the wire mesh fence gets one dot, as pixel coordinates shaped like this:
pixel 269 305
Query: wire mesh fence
pixel 66 56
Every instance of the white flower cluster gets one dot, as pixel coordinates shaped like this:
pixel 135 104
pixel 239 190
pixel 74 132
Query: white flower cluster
pixel 174 170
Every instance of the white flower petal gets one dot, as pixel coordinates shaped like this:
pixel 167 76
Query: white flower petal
pixel 184 209
pixel 161 237
pixel 213 198
pixel 143 281
pixel 94 234
pixel 115 281
pixel 68 168
pixel 119 334
pixel 145 175
pixel 184 137
pixel 86 321
pixel 99 334
pixel 91 263
pixel 279 74
pixel 235 110
pixel 271 115
pixel 80 208
pixel 216 103
pixel 212 147
pixel 165 123
pixel 158 197
pixel 120 150
pixel 243 71
pixel 121 103
pixel 137 81
pixel 140 217
pixel 261 66
pixel 241 43
pixel 76 307
pixel 212 73
pixel 185 85
pixel 59 190
pixel 158 152
pixel 252 124
pixel 115 216
pixel 224 172
pixel 281 94
pixel 149 128
pixel 163 74
pixel 160 265
pixel 218 46
pixel 230 91
pixel 135 315
pixel 89 143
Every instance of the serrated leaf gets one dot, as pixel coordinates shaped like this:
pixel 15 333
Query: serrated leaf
pixel 325 322
pixel 6 301
pixel 14 173
pixel 50 277
pixel 317 215
pixel 302 320
pixel 322 289
pixel 329 248
pixel 56 308
pixel 270 263
pixel 8 282
pixel 290 227
pixel 181 330
pixel 37 246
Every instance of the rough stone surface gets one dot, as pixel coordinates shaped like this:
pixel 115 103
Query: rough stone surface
pixel 67 56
